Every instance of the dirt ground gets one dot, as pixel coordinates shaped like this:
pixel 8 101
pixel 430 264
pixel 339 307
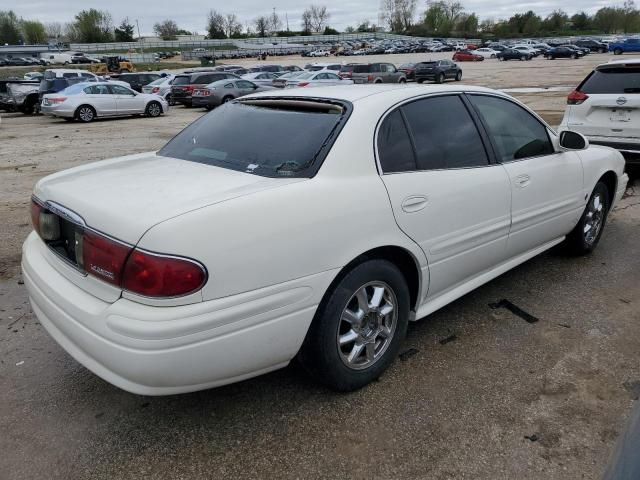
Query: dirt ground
pixel 478 392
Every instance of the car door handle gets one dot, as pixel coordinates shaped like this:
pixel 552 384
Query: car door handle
pixel 523 181
pixel 414 203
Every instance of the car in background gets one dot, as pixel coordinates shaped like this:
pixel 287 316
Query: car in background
pixel 316 67
pixel 592 45
pixel 161 87
pixel 87 101
pixel 377 73
pixel 438 71
pixel 33 76
pixel 304 224
pixel 17 62
pixel 409 70
pixel 579 50
pixel 138 80
pixel 486 52
pixel 527 49
pixel 184 84
pixel 562 52
pixel 224 91
pixel 605 108
pixel 292 68
pixel 513 54
pixel 542 47
pixel 319 53
pixel 317 79
pixel 266 68
pixel 628 45
pixel 466 56
pixel 261 78
pixel 281 81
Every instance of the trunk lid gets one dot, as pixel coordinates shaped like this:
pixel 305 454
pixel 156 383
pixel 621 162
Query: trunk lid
pixel 124 197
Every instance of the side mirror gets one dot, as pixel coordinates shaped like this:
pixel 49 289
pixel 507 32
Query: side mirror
pixel 573 140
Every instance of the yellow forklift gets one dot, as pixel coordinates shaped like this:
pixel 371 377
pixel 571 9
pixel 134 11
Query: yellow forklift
pixel 112 65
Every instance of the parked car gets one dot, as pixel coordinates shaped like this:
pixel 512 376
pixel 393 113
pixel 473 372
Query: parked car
pixel 184 84
pixel 628 45
pixel 593 45
pixel 486 52
pixel 580 50
pixel 377 73
pixel 261 78
pixel 138 80
pixel 466 56
pixel 513 54
pixel 257 236
pixel 527 49
pixel 224 91
pixel 605 107
pixel 438 71
pixel 317 79
pixel 281 81
pixel 316 67
pixel 87 101
pixel 409 70
pixel 17 62
pixel 161 87
pixel 562 52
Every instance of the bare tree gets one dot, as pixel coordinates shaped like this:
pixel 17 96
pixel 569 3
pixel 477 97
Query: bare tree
pixel 275 23
pixel 319 17
pixel 398 14
pixel 232 25
pixel 307 21
pixel 54 30
pixel 262 25
pixel 167 29
pixel 216 25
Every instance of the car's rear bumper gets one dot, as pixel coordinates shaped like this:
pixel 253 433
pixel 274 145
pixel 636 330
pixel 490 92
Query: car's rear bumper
pixel 167 350
pixel 203 102
pixel 57 110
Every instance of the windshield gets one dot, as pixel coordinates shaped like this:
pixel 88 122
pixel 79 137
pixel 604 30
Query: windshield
pixel 248 137
pixel 612 81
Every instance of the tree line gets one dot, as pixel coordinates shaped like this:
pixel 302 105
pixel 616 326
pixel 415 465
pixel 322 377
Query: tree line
pixel 440 18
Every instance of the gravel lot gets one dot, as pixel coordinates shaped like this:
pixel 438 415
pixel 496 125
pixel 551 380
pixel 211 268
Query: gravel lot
pixel 477 393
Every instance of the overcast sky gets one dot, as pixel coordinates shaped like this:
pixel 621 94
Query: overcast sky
pixel 191 14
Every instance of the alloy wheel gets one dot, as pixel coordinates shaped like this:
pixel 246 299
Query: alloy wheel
pixel 593 219
pixel 85 114
pixel 367 325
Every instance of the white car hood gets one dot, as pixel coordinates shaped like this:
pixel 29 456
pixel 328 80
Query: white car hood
pixel 126 196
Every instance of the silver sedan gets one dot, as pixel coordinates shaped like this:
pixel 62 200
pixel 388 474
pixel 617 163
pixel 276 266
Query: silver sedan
pixel 222 91
pixel 86 101
pixel 317 79
pixel 260 78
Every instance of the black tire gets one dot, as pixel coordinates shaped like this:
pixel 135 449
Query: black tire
pixel 227 99
pixel 154 109
pixel 522 58
pixel 321 353
pixel 458 76
pixel 170 100
pixel 402 80
pixel 574 56
pixel 420 80
pixel 581 242
pixel 440 78
pixel 493 55
pixel 85 113
pixel 617 51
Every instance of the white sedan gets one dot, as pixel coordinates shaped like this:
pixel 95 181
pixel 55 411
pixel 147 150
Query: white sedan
pixel 87 101
pixel 486 52
pixel 342 216
pixel 322 78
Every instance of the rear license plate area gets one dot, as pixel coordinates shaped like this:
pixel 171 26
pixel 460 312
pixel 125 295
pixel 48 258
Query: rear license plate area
pixel 620 115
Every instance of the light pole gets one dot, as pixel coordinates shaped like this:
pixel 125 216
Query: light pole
pixel 140 40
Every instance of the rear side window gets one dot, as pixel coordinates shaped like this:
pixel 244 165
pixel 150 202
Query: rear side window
pixel 444 134
pixel 612 81
pixel 220 138
pixel 394 146
pixel 516 133
pixel 361 69
pixel 182 80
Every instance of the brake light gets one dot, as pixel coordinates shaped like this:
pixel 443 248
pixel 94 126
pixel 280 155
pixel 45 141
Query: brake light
pixel 57 99
pixel 155 89
pixel 103 258
pixel 190 88
pixel 370 78
pixel 154 275
pixel 303 84
pixel 576 97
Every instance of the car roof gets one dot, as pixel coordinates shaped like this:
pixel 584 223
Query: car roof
pixel 392 93
pixel 626 61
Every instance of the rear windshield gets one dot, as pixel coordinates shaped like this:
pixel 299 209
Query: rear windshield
pixel 159 81
pixel 248 137
pixel 347 68
pixel 613 81
pixel 182 80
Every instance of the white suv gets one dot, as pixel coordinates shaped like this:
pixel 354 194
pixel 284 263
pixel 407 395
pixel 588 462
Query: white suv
pixel 606 108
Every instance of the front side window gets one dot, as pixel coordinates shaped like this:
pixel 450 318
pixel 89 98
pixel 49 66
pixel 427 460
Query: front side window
pixel 516 133
pixel 444 134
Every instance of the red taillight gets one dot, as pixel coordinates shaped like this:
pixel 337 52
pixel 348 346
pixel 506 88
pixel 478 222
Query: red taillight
pixel 155 89
pixel 370 78
pixel 303 84
pixel 576 98
pixel 104 258
pixel 57 99
pixel 36 209
pixel 189 88
pixel 153 275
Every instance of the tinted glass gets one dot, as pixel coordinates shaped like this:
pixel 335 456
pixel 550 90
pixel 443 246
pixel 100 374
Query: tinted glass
pixel 221 138
pixel 182 80
pixel 394 146
pixel 361 69
pixel 516 133
pixel 613 81
pixel 444 134
pixel 119 90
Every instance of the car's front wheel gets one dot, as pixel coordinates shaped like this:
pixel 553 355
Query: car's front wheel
pixel 458 76
pixel 584 238
pixel 440 78
pixel 357 330
pixel 154 109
